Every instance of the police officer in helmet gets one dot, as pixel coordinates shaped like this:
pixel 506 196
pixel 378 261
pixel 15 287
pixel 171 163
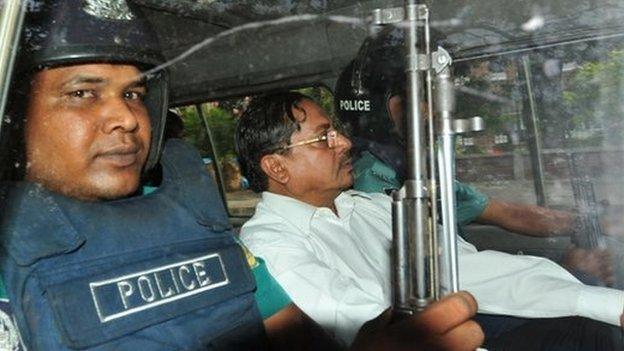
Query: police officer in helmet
pixel 83 272
pixel 367 89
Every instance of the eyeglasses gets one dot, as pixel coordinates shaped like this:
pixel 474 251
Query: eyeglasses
pixel 330 137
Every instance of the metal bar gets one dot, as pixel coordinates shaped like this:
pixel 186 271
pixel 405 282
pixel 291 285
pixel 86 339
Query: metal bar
pixel 589 233
pixel 11 18
pixel 532 48
pixel 433 185
pixel 446 163
pixel 535 140
pixel 416 197
pixel 401 272
pixel 215 157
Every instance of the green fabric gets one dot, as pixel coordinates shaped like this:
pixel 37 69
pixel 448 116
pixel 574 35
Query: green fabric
pixel 270 296
pixel 3 293
pixel 148 189
pixel 470 203
pixel 371 175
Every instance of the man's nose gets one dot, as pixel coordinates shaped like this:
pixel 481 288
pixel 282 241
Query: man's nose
pixel 343 143
pixel 119 116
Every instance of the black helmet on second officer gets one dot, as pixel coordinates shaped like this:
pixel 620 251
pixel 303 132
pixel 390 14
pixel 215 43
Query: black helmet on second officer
pixel 71 32
pixel 365 86
pixel 368 92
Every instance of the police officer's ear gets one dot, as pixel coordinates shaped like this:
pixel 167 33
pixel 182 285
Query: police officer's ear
pixel 274 167
pixel 395 110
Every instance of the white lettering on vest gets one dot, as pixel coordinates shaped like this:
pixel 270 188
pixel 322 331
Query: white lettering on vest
pixel 200 273
pixel 145 286
pixel 159 285
pixel 175 281
pixel 146 289
pixel 188 286
pixel 125 290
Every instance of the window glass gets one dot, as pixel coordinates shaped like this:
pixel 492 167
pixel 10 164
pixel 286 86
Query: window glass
pixel 552 114
pixel 554 129
pixel 210 127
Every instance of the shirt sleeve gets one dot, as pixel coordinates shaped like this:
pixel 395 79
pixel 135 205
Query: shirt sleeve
pixel 269 295
pixel 532 287
pixel 470 203
pixel 339 304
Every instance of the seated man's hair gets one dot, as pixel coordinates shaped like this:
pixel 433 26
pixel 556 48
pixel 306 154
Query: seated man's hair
pixel 265 128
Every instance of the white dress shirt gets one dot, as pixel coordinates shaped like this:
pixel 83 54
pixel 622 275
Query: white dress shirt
pixel 337 268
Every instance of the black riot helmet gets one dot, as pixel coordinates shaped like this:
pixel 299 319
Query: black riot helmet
pixel 365 86
pixel 69 32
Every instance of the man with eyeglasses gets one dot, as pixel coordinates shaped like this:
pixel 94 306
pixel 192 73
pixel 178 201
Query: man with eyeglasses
pixel 291 152
pixel 330 248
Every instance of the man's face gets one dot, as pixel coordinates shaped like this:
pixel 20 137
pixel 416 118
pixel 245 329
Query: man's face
pixel 396 110
pixel 87 130
pixel 316 168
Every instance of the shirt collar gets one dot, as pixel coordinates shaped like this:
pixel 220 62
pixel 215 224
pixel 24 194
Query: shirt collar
pixel 295 212
pixel 301 214
pixel 345 203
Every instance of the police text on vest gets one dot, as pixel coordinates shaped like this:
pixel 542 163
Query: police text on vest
pixel 122 296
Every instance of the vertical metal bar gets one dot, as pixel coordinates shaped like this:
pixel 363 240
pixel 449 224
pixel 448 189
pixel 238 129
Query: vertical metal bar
pixel 446 157
pixel 416 197
pixel 401 272
pixel 433 185
pixel 535 141
pixel 215 157
pixel 11 18
pixel 589 233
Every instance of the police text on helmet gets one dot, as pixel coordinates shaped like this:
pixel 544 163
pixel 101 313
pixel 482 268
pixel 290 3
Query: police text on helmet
pixel 355 105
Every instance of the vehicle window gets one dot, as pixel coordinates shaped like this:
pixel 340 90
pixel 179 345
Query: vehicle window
pixel 554 128
pixel 559 105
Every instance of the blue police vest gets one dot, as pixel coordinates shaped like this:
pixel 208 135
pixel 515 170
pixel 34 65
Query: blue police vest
pixel 154 272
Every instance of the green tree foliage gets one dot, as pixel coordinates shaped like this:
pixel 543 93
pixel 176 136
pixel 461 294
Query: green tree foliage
pixel 221 124
pixel 321 95
pixel 593 98
pixel 194 130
